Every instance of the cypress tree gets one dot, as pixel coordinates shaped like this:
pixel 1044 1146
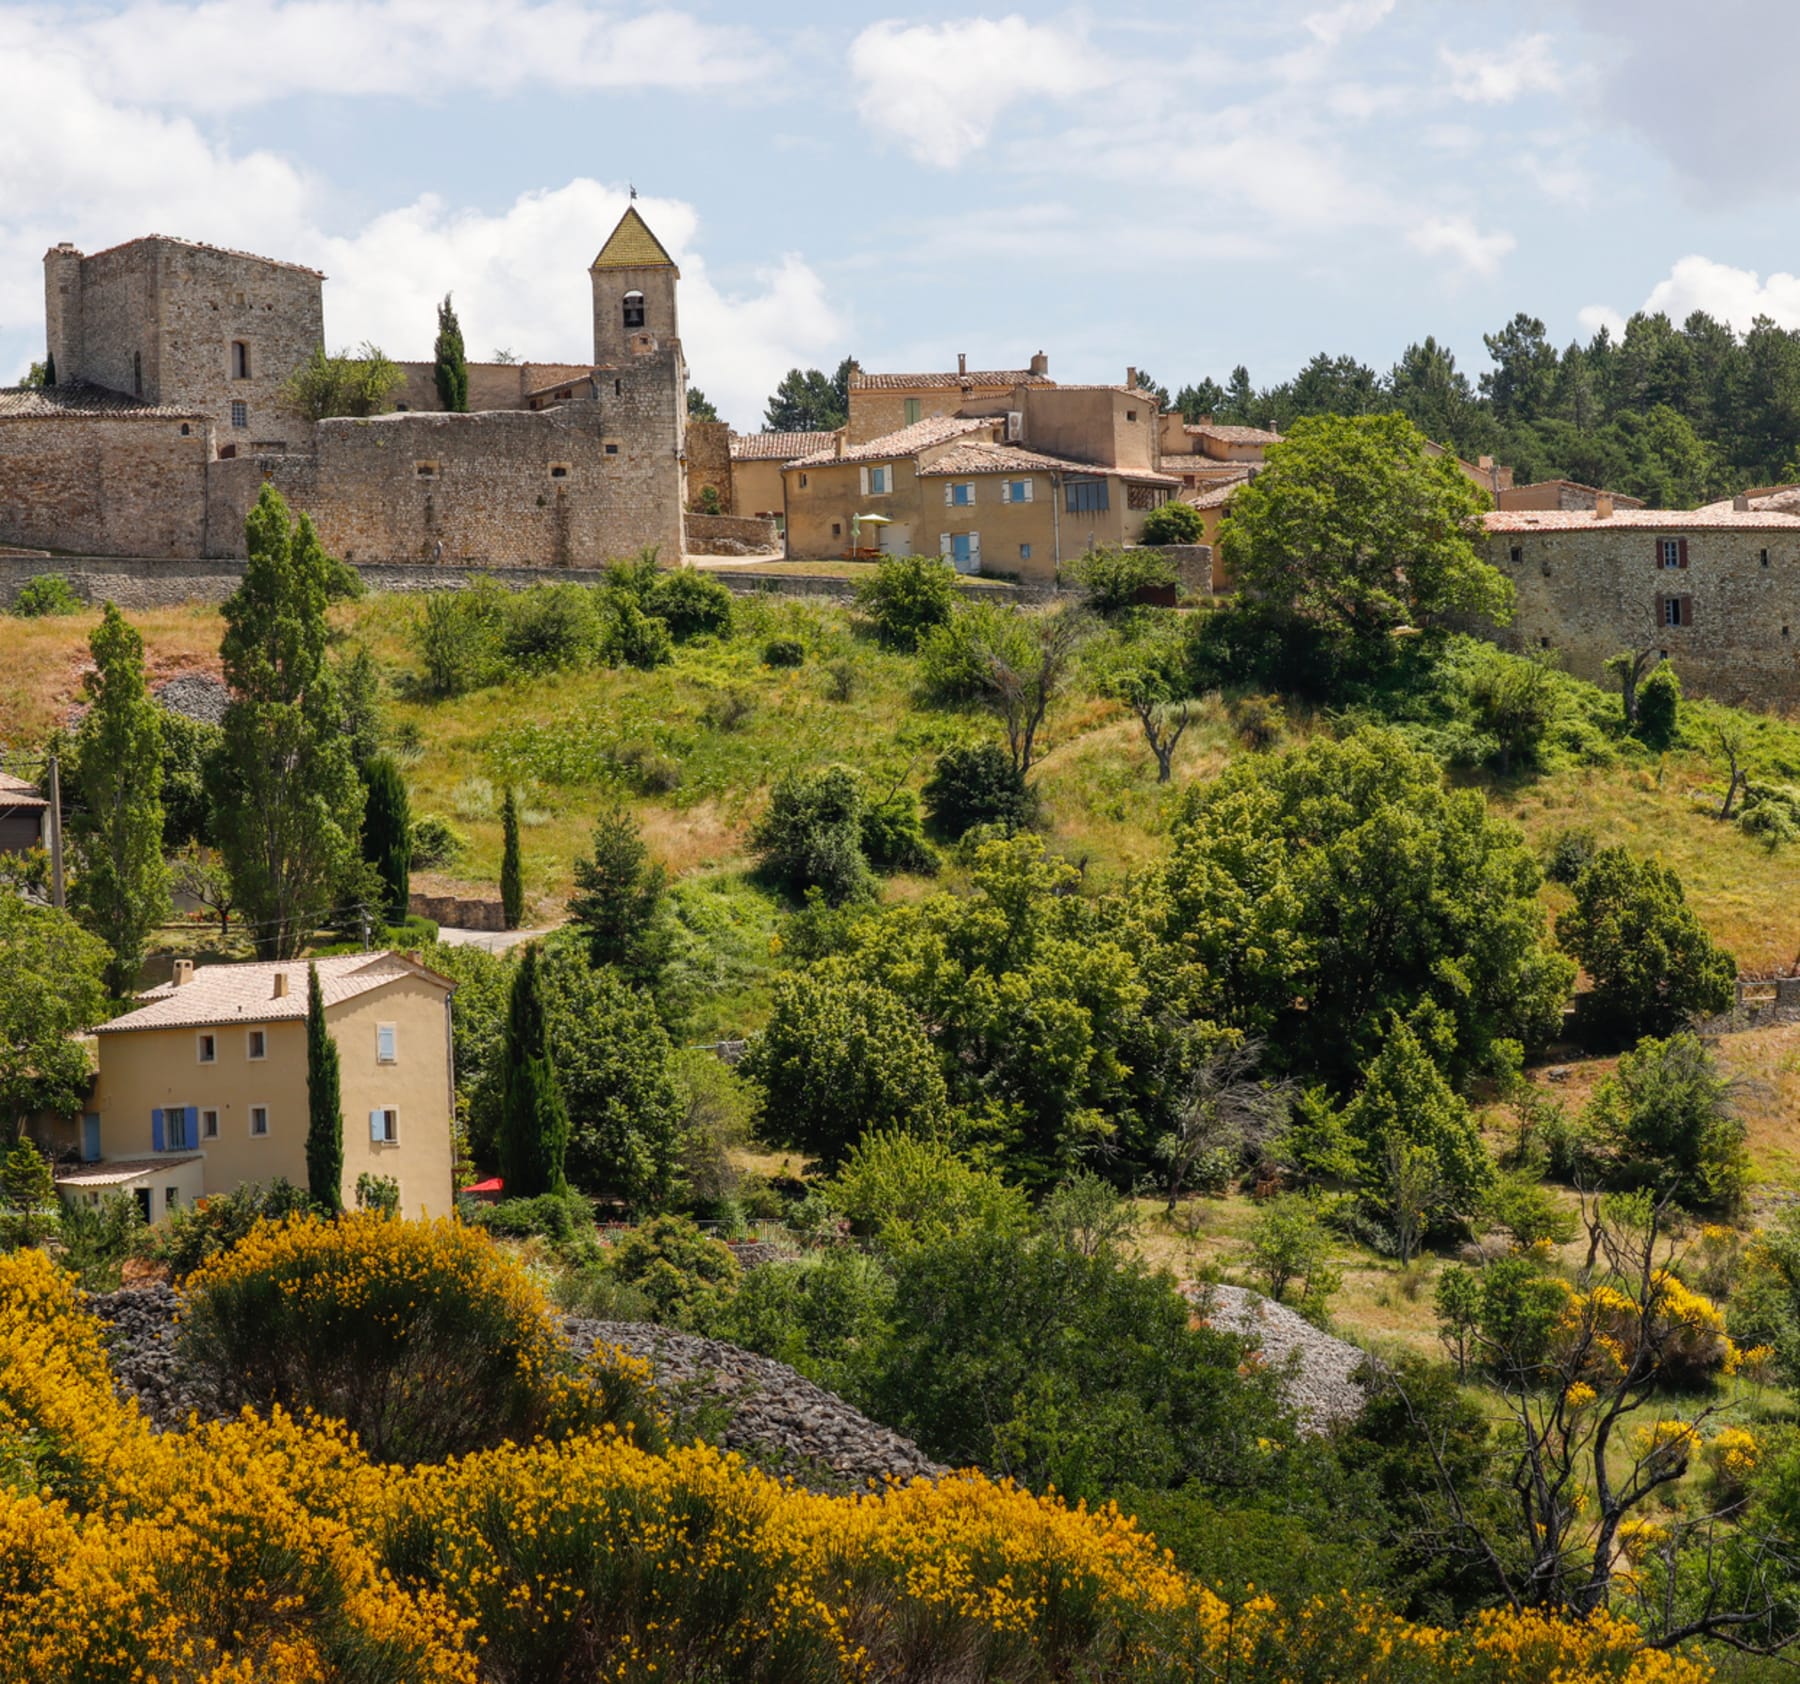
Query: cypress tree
pixel 534 1123
pixel 123 889
pixel 49 368
pixel 387 834
pixel 324 1104
pixel 512 876
pixel 451 368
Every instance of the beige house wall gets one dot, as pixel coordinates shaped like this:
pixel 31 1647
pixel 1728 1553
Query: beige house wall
pixel 756 487
pixel 875 414
pixel 143 1070
pixel 1588 593
pixel 1092 424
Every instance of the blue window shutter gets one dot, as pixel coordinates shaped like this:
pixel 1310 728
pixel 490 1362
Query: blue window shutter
pixel 376 1132
pixel 156 1130
pixel 190 1135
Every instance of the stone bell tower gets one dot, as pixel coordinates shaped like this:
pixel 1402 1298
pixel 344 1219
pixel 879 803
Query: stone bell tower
pixel 634 293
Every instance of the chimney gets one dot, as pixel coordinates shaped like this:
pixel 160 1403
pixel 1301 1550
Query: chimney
pixel 1603 505
pixel 1131 378
pixel 962 362
pixel 1040 364
pixel 280 985
pixel 837 443
pixel 184 972
pixel 1485 464
pixel 1741 503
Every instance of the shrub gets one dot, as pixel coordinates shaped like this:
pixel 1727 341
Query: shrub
pixel 1175 522
pixel 978 785
pixel 692 604
pixel 954 664
pixel 45 596
pixel 1569 854
pixel 811 834
pixel 840 680
pixel 379 1194
pixel 422 1337
pixel 730 710
pixel 685 1276
pixel 908 596
pixel 1115 578
pixel 550 627
pixel 562 1217
pixel 1287 1244
pixel 456 636
pixel 892 840
pixel 1659 707
pixel 633 638
pixel 436 842
pixel 903 1190
pixel 1259 721
pixel 195 1233
pixel 784 652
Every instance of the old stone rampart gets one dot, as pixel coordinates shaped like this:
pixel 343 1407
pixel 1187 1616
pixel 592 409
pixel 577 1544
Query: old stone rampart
pixel 732 534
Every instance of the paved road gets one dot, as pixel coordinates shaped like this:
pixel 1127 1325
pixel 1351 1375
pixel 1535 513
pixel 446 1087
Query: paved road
pixel 495 941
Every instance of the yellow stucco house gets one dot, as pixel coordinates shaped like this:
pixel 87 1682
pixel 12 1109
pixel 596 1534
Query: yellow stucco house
pixel 203 1086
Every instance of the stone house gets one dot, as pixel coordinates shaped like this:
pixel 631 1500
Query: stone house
pixel 166 419
pixel 203 1086
pixel 880 404
pixel 1561 494
pixel 24 816
pixel 756 463
pixel 1714 590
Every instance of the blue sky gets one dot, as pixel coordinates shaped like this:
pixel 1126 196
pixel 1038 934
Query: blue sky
pixel 1181 186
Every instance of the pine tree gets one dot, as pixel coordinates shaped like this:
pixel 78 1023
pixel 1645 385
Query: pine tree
pixel 287 800
pixel 324 1104
pixel 123 889
pixel 534 1123
pixel 512 877
pixel 387 834
pixel 619 901
pixel 451 368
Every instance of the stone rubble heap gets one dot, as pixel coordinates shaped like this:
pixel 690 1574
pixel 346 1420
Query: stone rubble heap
pixel 195 695
pixel 1318 1372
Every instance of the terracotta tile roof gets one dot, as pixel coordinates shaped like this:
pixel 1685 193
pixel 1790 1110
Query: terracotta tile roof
pixel 777 447
pixel 908 441
pixel 1716 516
pixel 1233 435
pixel 1003 378
pixel 1217 496
pixel 980 457
pixel 557 385
pixel 1776 499
pixel 1621 500
pixel 246 993
pixel 199 245
pixel 83 397
pixel 631 245
pixel 16 794
pixel 1105 386
pixel 1208 467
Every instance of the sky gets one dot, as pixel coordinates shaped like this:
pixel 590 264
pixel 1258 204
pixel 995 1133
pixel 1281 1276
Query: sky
pixel 1181 186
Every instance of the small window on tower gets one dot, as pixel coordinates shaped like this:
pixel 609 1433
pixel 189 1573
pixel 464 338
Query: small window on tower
pixel 240 413
pixel 240 360
pixel 634 309
pixel 559 470
pixel 137 373
pixel 187 431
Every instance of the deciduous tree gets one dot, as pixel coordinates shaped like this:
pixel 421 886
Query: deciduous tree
pixel 51 992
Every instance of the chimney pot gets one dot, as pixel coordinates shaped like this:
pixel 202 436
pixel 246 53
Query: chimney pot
pixel 837 443
pixel 962 362
pixel 184 972
pixel 281 985
pixel 1040 364
pixel 1131 378
pixel 1741 503
pixel 1603 506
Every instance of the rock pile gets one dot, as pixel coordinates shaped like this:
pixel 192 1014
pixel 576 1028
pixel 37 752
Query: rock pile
pixel 771 1415
pixel 195 695
pixel 760 1408
pixel 1318 1371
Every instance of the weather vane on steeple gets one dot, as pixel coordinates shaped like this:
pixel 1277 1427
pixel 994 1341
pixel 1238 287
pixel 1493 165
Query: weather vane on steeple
pixel 632 190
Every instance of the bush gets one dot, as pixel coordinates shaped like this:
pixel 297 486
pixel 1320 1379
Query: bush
pixel 1175 522
pixel 840 680
pixel 685 1276
pixel 692 604
pixel 892 840
pixel 1288 1244
pixel 565 1219
pixel 1667 1116
pixel 1659 707
pixel 902 1190
pixel 437 844
pixel 784 652
pixel 633 638
pixel 1569 854
pixel 195 1233
pixel 908 596
pixel 978 785
pixel 1115 579
pixel 379 1194
pixel 456 636
pixel 422 1337
pixel 811 835
pixel 98 1238
pixel 549 628
pixel 954 661
pixel 45 596
pixel 730 710
pixel 1259 721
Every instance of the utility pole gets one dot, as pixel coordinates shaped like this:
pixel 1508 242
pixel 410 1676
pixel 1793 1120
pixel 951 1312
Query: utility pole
pixel 56 851
pixel 365 928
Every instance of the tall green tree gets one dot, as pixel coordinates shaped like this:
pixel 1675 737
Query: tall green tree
pixel 324 1104
pixel 1352 524
pixel 809 401
pixel 387 834
pixel 533 1133
pixel 345 384
pixel 123 889
pixel 700 407
pixel 450 364
pixel 288 803
pixel 51 991
pixel 620 901
pixel 512 871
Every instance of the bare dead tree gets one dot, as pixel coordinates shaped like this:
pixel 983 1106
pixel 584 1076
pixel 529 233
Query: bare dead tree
pixel 1224 1106
pixel 1629 666
pixel 1025 675
pixel 1730 739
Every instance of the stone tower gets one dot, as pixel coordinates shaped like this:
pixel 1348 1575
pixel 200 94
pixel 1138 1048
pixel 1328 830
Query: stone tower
pixel 634 293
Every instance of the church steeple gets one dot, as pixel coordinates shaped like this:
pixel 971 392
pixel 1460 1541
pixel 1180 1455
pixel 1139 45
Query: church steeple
pixel 634 291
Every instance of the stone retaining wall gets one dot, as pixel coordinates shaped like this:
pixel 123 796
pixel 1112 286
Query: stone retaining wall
pixel 732 535
pixel 458 912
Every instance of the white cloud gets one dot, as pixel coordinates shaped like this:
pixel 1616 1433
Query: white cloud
pixel 1457 238
pixel 232 54
pixel 1593 317
pixel 1737 296
pixel 940 90
pixel 1501 75
pixel 1352 17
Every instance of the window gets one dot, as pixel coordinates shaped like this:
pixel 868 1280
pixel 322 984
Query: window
pixel 209 1125
pixel 386 1044
pixel 912 411
pixel 170 1198
pixel 559 470
pixel 1674 611
pixel 137 373
pixel 240 360
pixel 877 482
pixel 1763 557
pixel 1024 552
pixel 1086 496
pixel 619 387
pixel 402 408
pixel 172 1128
pixel 1015 491
pixel 1516 554
pixel 240 414
pixel 837 529
pixel 425 470
pixel 1131 415
pixel 1543 643
pixel 960 495
pixel 1145 496
pixel 1670 550
pixel 188 432
pixel 612 450
pixel 803 482
pixel 206 1047
pixel 634 309
pixel 257 1043
pixel 259 1120
pixel 384 1126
